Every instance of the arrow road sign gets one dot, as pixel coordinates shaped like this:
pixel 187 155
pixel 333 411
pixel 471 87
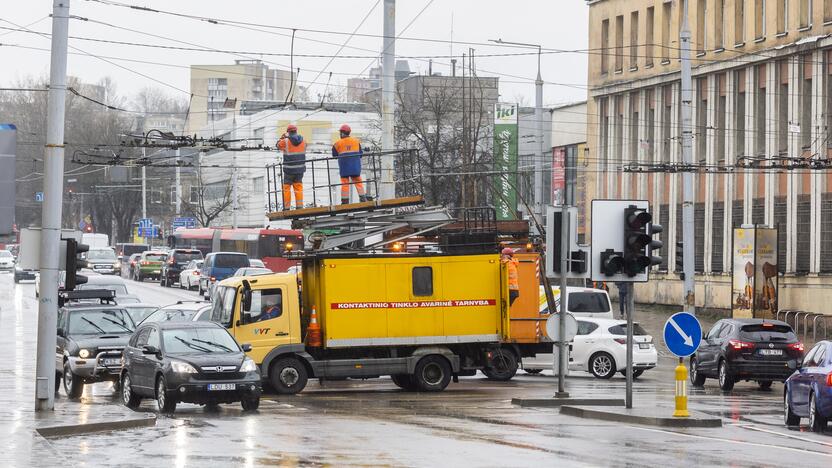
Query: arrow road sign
pixel 682 334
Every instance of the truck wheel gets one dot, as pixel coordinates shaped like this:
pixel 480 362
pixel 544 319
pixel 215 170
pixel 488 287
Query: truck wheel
pixel 288 376
pixel 433 373
pixel 404 381
pixel 503 366
pixel 73 385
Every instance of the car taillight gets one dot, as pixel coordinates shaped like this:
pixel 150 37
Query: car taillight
pixel 196 273
pixel 738 345
pixel 620 340
pixel 213 279
pixel 796 347
pixel 144 262
pixel 170 262
pixel 829 379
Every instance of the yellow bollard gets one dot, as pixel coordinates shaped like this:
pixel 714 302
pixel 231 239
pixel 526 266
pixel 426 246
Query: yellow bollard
pixel 681 391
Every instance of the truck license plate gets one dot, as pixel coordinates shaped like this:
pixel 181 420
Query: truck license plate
pixel 771 352
pixel 222 386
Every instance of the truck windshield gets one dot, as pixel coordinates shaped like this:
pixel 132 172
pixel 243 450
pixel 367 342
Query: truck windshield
pixel 588 302
pixel 101 254
pixel 100 322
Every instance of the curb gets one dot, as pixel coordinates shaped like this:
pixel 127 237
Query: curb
pixel 559 402
pixel 625 417
pixel 77 429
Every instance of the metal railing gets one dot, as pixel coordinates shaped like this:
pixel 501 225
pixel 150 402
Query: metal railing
pixel 796 317
pixel 321 169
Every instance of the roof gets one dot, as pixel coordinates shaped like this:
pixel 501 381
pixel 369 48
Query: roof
pixel 186 324
pixel 274 278
pixel 104 279
pixel 756 321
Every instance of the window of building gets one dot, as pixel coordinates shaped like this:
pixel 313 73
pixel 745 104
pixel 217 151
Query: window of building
pixel 806 104
pixel 739 22
pixel 649 39
pixel 217 93
pixel 619 43
pixel 782 108
pixel 666 41
pixel 701 32
pixel 760 111
pixel 759 19
pixel 172 194
pixel 634 40
pixel 719 24
pixel 605 46
pixel 827 11
pixel 739 113
pixel 783 15
pixel 805 13
pixel 422 281
pixel 194 195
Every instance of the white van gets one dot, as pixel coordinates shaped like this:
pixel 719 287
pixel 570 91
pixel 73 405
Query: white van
pixel 581 302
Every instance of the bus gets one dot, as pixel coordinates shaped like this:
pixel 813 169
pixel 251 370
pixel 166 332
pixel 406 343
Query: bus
pixel 267 245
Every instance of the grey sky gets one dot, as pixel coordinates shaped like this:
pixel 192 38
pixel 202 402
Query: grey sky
pixel 560 24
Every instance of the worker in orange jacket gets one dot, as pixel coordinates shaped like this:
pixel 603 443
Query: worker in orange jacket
pixel 348 152
pixel 294 165
pixel 511 263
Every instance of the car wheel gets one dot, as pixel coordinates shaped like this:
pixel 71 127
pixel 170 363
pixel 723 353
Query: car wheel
pixel 697 379
pixel 128 397
pixel 636 373
pixel 432 373
pixel 164 401
pixel 139 277
pixel 504 366
pixel 250 403
pixel 726 381
pixel 404 381
pixel 199 288
pixel 288 376
pixel 791 419
pixel 764 384
pixel 57 382
pixel 73 385
pixel 532 371
pixel 817 423
pixel 602 365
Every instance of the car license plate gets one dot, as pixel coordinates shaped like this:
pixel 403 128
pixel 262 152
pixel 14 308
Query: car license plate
pixel 222 386
pixel 155 271
pixel 644 346
pixel 112 362
pixel 771 352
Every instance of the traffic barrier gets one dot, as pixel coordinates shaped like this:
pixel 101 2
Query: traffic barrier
pixel 681 391
pixel 313 333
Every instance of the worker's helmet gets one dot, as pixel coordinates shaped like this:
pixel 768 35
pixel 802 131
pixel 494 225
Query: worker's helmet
pixel 291 128
pixel 345 129
pixel 507 251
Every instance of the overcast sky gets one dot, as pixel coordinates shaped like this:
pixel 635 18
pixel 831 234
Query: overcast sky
pixel 557 24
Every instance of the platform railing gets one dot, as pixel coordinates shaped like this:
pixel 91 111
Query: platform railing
pixel 796 317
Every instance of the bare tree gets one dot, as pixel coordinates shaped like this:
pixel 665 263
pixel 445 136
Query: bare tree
pixel 210 200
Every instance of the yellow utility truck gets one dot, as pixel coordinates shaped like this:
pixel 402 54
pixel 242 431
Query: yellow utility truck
pixel 422 319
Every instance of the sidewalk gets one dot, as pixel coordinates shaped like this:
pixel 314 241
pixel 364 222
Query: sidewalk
pixel 19 424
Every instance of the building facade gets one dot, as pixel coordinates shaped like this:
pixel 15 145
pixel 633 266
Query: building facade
pixel 567 178
pixel 762 92
pixel 217 89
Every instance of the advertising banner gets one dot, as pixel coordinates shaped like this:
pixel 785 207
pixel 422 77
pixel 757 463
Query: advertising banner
pixel 8 155
pixel 754 277
pixel 505 160
pixel 558 175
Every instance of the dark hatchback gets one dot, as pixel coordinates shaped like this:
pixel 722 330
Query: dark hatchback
pixel 746 349
pixel 191 362
pixel 178 259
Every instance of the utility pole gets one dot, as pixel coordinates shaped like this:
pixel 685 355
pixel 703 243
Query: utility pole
pixel 53 185
pixel 234 190
pixel 178 185
pixel 688 252
pixel 144 184
pixel 563 345
pixel 388 98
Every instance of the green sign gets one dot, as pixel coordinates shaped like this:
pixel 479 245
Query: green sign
pixel 505 161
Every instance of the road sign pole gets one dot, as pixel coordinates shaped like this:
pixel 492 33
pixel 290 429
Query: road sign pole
pixel 563 345
pixel 630 308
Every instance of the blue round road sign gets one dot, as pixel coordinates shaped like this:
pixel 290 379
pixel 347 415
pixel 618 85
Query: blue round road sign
pixel 682 334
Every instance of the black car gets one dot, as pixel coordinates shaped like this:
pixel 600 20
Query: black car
pixel 191 362
pixel 177 260
pixel 91 338
pixel 746 349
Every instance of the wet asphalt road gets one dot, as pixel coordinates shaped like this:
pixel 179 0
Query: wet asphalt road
pixel 373 423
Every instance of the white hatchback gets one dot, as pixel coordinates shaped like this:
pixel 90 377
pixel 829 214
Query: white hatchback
pixel 600 347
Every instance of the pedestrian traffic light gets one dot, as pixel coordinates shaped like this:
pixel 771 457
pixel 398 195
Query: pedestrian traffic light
pixel 638 241
pixel 612 262
pixel 73 264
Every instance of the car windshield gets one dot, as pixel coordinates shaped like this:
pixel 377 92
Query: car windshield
pixel 199 340
pixel 5 254
pixel 231 261
pixel 140 313
pixel 767 332
pixel 171 315
pixel 621 329
pixel 119 289
pixel 590 302
pixel 155 257
pixel 102 254
pixel 186 256
pixel 100 322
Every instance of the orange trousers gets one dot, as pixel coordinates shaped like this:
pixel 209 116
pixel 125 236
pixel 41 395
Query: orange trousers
pixel 287 195
pixel 345 186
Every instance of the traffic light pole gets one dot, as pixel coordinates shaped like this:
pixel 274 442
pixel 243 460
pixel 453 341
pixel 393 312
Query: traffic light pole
pixel 688 252
pixel 53 184
pixel 629 309
pixel 563 350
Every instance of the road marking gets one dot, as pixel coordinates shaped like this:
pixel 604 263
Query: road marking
pixel 783 434
pixel 741 442
pixel 688 338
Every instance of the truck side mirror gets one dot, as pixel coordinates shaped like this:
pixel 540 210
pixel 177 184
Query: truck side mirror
pixel 246 296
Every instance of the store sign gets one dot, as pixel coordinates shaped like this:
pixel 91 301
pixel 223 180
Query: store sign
pixel 505 160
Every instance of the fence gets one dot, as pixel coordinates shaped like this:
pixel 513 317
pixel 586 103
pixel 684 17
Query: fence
pixel 796 317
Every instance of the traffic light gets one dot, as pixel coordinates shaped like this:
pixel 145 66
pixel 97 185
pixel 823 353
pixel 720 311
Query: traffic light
pixel 612 262
pixel 73 264
pixel 638 242
pixel 680 258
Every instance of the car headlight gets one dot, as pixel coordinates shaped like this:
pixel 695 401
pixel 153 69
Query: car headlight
pixel 248 366
pixel 117 265
pixel 84 353
pixel 182 367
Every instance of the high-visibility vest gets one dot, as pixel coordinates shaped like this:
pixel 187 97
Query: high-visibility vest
pixel 348 151
pixel 294 155
pixel 513 275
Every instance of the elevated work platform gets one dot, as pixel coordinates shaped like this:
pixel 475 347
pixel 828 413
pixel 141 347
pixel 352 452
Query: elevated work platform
pixel 316 211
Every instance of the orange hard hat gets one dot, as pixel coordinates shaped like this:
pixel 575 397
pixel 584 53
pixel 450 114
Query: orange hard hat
pixel 345 128
pixel 508 251
pixel 291 128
